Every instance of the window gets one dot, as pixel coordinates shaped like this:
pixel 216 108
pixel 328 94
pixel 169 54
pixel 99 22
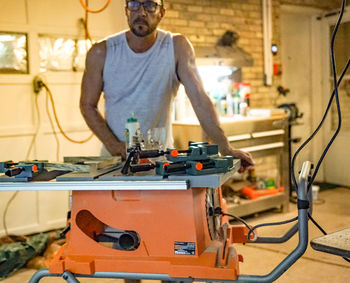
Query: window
pixel 13 53
pixel 62 53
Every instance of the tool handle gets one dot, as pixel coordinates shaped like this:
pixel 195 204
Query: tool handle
pixel 208 164
pixel 13 171
pixel 141 167
pixel 151 153
pixel 175 167
pixel 185 151
pixel 126 166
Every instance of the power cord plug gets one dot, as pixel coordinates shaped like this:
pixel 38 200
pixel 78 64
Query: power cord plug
pixel 38 84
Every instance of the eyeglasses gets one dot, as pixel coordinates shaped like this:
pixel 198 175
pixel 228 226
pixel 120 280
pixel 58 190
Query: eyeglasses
pixel 149 6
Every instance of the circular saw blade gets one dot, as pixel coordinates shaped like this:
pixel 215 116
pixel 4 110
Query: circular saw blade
pixel 214 221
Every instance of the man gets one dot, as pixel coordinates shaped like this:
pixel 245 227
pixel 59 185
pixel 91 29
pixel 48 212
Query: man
pixel 139 72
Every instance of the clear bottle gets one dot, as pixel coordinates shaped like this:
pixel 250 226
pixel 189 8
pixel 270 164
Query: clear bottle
pixel 229 104
pixel 236 104
pixel 132 127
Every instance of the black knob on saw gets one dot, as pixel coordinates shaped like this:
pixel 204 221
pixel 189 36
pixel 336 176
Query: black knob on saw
pixel 151 153
pixel 175 167
pixel 14 171
pixel 142 167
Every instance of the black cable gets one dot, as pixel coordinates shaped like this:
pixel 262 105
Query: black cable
pixel 271 224
pixel 300 148
pixel 242 221
pixel 316 224
pixel 318 127
pixel 336 95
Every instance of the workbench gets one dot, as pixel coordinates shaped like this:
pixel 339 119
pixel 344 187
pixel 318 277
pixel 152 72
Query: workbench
pixel 262 137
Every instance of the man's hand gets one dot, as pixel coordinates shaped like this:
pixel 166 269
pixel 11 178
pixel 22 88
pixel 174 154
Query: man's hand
pixel 117 149
pixel 245 157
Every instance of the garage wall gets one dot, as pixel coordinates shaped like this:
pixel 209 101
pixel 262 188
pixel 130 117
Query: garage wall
pixel 204 22
pixel 19 118
pixel 37 211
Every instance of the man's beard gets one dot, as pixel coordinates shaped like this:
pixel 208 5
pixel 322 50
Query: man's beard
pixel 141 27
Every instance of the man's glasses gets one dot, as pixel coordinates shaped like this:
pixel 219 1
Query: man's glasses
pixel 149 6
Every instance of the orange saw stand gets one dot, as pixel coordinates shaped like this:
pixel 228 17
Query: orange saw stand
pixel 176 236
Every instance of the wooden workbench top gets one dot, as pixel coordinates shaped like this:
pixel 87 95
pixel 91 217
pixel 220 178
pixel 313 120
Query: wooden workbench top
pixel 234 119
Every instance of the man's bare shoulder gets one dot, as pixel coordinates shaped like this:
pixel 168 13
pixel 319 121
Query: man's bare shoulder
pixel 183 48
pixel 98 49
pixel 181 41
pixel 96 55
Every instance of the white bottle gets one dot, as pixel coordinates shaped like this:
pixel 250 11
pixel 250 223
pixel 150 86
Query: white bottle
pixel 131 128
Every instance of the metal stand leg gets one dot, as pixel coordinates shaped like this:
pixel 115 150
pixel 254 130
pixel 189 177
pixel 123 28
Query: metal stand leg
pixel 40 274
pixel 303 234
pixel 69 277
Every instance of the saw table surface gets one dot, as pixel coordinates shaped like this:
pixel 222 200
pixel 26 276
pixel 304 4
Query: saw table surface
pixel 114 180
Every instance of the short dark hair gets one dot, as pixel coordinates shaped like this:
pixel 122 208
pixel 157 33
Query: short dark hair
pixel 161 2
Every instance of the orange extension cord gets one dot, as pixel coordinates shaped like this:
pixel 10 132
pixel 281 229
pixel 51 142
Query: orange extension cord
pixel 58 123
pixel 94 11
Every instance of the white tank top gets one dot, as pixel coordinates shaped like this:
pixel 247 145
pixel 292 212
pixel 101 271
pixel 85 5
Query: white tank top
pixel 141 83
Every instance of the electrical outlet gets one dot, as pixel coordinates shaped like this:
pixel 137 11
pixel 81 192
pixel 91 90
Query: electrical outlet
pixel 37 84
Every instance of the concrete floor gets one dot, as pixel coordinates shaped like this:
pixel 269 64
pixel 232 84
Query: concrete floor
pixel 332 212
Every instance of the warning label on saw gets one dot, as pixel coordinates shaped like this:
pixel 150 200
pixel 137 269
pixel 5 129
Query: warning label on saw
pixel 185 248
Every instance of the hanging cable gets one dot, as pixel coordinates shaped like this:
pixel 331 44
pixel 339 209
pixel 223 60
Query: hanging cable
pixel 218 210
pixel 336 95
pixel 334 71
pixel 94 11
pixel 26 158
pixel 302 146
pixel 58 123
pixel 251 230
pixel 85 23
pixel 37 127
pixel 5 211
pixel 319 126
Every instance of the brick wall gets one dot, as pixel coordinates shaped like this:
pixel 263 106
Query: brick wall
pixel 203 22
pixel 322 4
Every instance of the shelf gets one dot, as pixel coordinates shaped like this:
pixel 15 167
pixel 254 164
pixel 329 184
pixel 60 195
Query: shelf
pixel 261 137
pixel 247 207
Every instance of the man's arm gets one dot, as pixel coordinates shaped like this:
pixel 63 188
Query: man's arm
pixel 91 88
pixel 187 73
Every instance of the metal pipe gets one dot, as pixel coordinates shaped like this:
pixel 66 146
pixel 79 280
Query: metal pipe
pixel 41 274
pixel 303 235
pixel 289 234
pixel 278 240
pixel 71 278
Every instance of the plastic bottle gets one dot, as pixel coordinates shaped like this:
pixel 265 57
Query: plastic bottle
pixel 132 126
pixel 243 107
pixel 236 103
pixel 247 99
pixel 229 104
pixel 223 105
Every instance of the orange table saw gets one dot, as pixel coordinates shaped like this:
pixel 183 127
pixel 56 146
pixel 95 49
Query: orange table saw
pixel 148 226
